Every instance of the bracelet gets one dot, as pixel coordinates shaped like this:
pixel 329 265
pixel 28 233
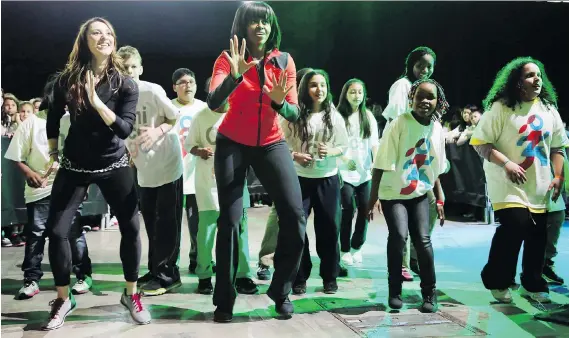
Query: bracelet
pixel 53 152
pixel 559 177
pixel 162 130
pixel 441 203
pixel 504 164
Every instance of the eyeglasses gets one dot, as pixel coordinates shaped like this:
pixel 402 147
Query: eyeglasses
pixel 185 83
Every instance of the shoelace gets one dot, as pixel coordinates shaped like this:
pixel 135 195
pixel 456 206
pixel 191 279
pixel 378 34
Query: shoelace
pixel 136 302
pixel 80 282
pixel 56 305
pixel 28 283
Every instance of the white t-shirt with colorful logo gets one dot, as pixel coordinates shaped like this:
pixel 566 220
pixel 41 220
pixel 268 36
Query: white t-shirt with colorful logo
pixel 187 114
pixel 317 133
pixel 412 157
pixel 525 135
pixel 359 150
pixel 162 163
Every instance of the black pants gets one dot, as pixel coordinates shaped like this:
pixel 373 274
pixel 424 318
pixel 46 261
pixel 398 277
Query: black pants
pixel 351 197
pixel 406 217
pixel 118 189
pixel 322 195
pixel 274 169
pixel 192 214
pixel 517 225
pixel 162 212
pixel 34 231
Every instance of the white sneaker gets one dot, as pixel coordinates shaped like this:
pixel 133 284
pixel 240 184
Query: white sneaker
pixel 541 297
pixel 82 286
pixel 504 296
pixel 60 309
pixel 357 256
pixel 347 259
pixel 28 290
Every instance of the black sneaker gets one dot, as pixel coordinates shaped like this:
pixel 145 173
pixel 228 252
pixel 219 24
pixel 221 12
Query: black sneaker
pixel 343 272
pixel 205 287
pixel 395 302
pixel 222 316
pixel 414 266
pixel 430 303
pixel 263 272
pixel 213 266
pixel 330 287
pixel 283 306
pixel 246 286
pixel 550 275
pixel 155 287
pixel 192 268
pixel 299 288
pixel 144 279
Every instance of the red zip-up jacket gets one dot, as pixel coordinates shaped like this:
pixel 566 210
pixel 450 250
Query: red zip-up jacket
pixel 252 116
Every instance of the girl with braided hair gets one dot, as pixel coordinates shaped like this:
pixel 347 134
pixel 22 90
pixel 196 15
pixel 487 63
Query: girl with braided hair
pixel 521 137
pixel 412 158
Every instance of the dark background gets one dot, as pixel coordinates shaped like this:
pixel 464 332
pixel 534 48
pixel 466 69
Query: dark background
pixel 368 40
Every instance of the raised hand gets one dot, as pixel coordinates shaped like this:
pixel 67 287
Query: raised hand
pixel 236 58
pixel 91 91
pixel 279 91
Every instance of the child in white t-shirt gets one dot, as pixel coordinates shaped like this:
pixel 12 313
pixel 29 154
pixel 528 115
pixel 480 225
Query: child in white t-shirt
pixel 521 137
pixel 201 144
pixel 317 139
pixel 411 157
pixel 157 155
pixel 29 149
pixel 363 140
pixel 185 86
pixel 419 64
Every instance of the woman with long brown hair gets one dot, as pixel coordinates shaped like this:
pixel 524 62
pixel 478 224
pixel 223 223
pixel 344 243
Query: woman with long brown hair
pixel 102 103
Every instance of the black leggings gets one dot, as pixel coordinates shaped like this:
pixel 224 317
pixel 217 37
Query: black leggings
pixel 274 169
pixel 351 197
pixel 69 188
pixel 404 217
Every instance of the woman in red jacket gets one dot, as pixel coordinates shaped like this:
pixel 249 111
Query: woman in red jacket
pixel 259 83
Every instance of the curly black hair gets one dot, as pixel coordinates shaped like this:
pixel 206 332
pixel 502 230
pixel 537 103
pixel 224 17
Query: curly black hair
pixel 506 85
pixel 442 104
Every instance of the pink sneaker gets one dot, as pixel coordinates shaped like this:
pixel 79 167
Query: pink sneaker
pixel 407 277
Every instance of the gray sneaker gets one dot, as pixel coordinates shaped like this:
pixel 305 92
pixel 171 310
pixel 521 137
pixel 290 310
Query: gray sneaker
pixel 60 309
pixel 28 290
pixel 137 310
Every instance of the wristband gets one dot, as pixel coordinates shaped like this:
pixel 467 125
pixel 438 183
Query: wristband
pixel 559 177
pixel 504 164
pixel 53 152
pixel 441 203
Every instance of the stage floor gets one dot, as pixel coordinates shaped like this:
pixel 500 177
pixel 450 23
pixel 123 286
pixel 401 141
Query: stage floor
pixel 357 310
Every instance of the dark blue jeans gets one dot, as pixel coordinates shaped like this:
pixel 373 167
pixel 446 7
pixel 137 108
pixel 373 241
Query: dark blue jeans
pixel 34 231
pixel 406 217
